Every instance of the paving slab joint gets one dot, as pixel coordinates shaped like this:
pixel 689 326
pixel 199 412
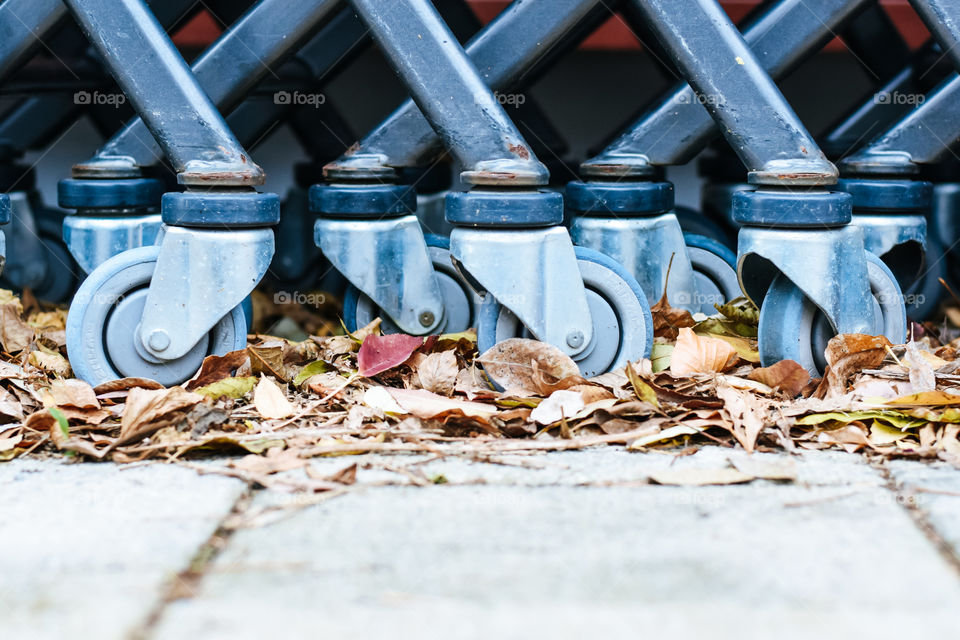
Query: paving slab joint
pixel 186 583
pixel 919 516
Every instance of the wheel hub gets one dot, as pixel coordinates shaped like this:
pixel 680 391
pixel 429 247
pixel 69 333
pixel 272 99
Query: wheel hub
pixel 130 360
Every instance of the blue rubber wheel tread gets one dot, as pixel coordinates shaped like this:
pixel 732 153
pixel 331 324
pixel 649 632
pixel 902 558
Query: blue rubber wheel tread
pixel 713 246
pixel 788 319
pixel 925 294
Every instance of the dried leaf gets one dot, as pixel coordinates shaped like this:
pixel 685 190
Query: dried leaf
pixel 667 321
pixel 693 477
pixel 746 411
pixel 275 460
pixel 560 404
pixel 777 471
pixel 125 384
pixel 347 475
pixel 147 409
pixel 695 354
pixel 743 311
pixel 312 369
pixel 746 349
pixel 669 433
pixel 51 362
pixel 15 334
pixel 270 402
pixel 426 405
pixel 438 372
pixel 526 367
pixel 922 377
pixel 643 390
pixel 847 355
pixel 216 368
pixel 73 393
pixel 380 398
pixel 787 376
pixel 267 359
pixel 926 399
pixel 660 357
pixel 382 353
pixel 228 387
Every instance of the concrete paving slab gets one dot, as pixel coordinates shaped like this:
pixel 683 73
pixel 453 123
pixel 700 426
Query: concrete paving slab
pixel 89 547
pixel 498 560
pixel 933 488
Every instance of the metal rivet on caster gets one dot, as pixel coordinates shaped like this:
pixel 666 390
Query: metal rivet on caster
pixel 159 340
pixel 426 318
pixel 575 339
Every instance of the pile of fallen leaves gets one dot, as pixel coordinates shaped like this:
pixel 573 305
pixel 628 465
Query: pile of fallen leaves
pixel 280 402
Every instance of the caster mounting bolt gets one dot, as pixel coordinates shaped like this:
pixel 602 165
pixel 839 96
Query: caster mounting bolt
pixel 158 340
pixel 575 339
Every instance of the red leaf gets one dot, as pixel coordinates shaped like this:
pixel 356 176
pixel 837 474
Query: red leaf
pixel 380 353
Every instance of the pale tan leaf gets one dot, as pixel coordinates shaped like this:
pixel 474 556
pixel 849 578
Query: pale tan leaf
pixel 695 354
pixel 50 362
pixel 380 398
pixel 527 367
pixel 269 400
pixel 73 393
pixel 746 411
pixel 426 405
pixel 148 409
pixel 15 334
pixel 560 404
pixel 438 372
pixel 693 477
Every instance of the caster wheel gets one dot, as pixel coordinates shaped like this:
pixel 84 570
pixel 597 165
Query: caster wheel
pixel 924 295
pixel 247 306
pixel 622 325
pixel 104 317
pixel 459 303
pixel 792 327
pixel 715 269
pixel 63 273
pixel 696 223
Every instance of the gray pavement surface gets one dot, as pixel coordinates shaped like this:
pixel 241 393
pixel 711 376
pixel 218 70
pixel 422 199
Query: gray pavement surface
pixel 560 545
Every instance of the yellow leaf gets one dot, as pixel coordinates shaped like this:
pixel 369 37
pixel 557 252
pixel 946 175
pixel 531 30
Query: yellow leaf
pixel 643 390
pixel 743 347
pixel 660 357
pixel 881 434
pixel 926 399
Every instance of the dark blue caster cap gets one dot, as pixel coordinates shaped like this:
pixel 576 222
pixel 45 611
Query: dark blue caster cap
pixel 620 198
pixel 362 200
pixel 124 193
pixel 504 208
pixel 792 209
pixel 893 196
pixel 217 209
